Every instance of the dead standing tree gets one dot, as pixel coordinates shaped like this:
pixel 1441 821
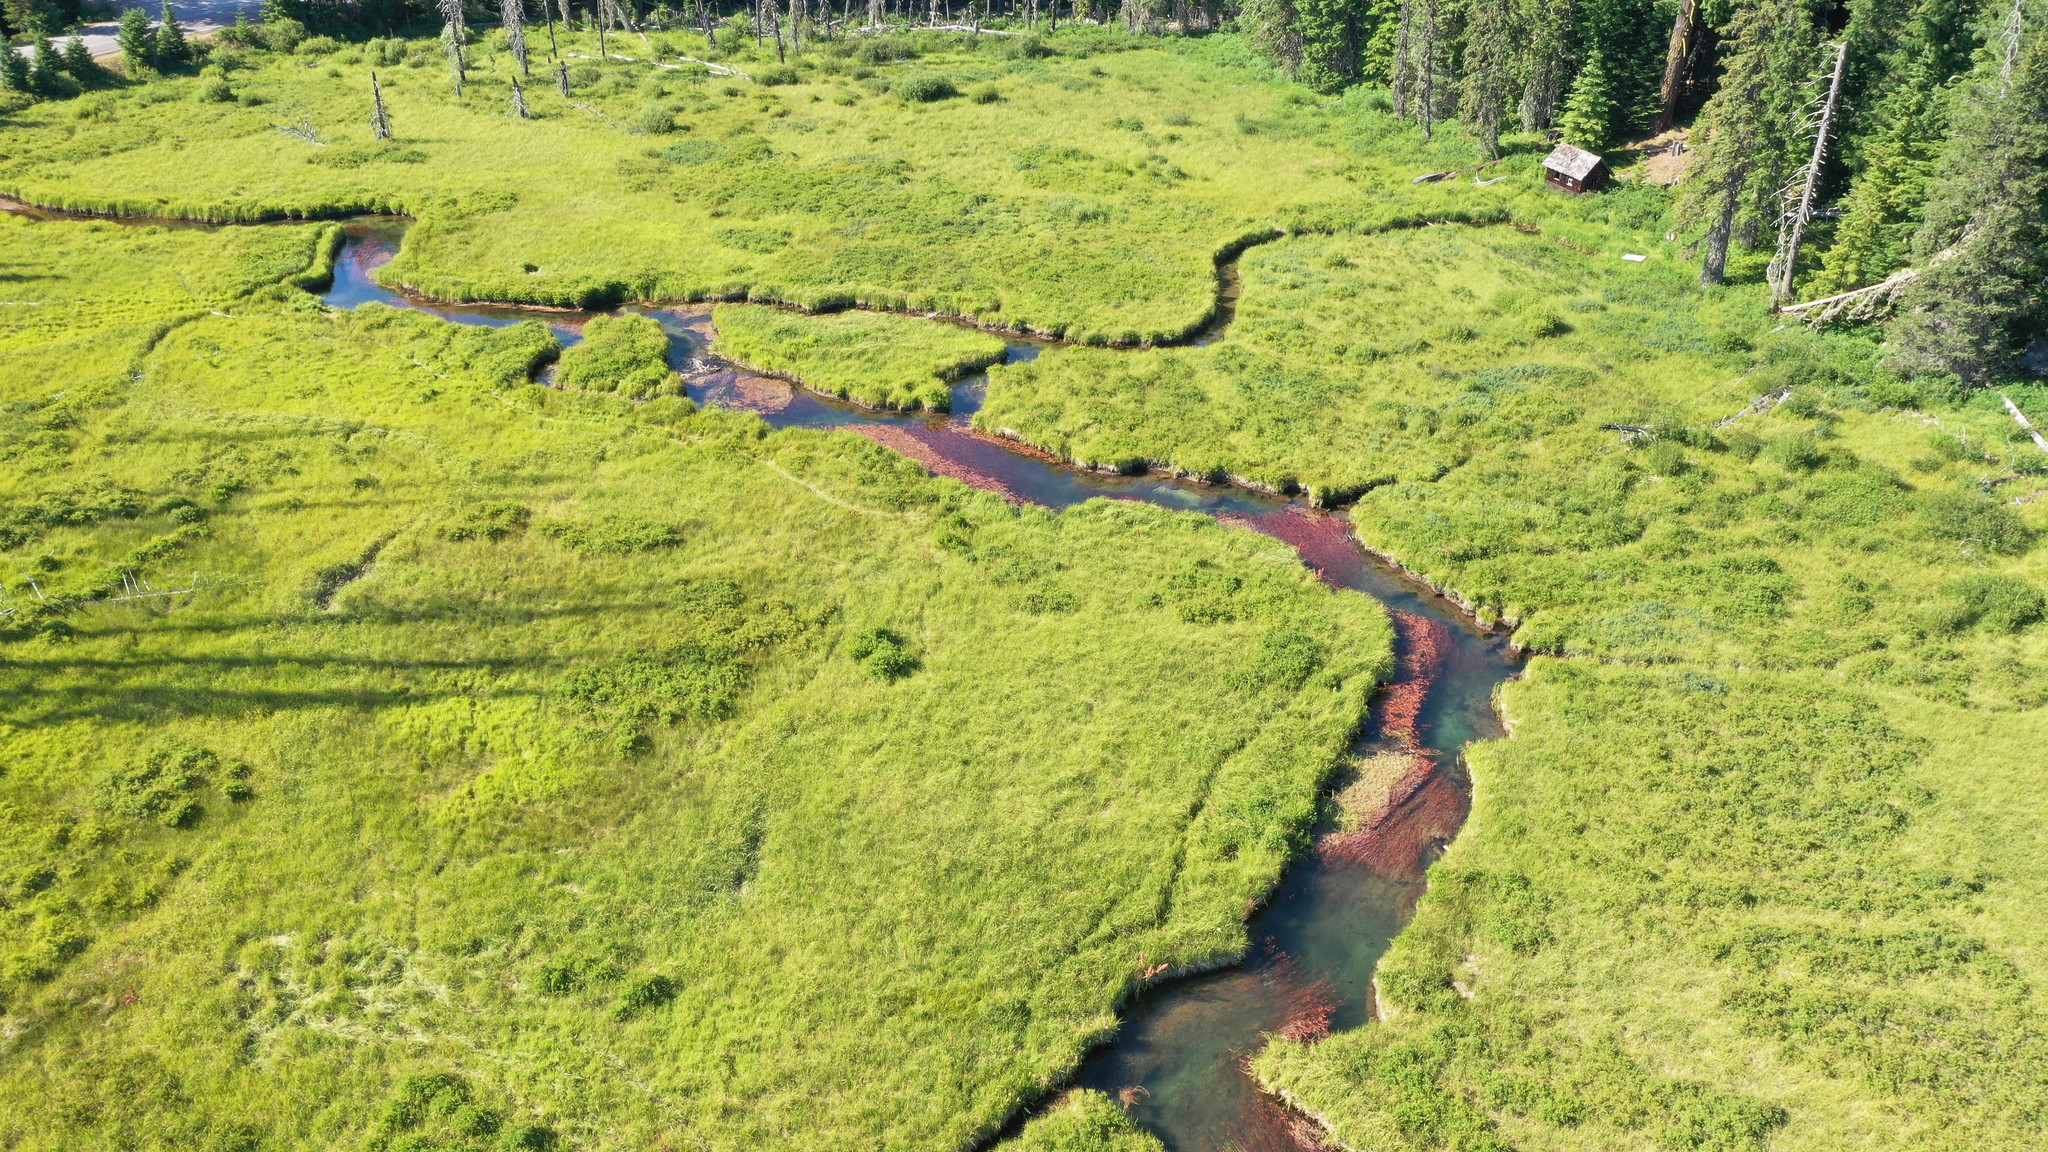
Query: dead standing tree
pixel 513 14
pixel 451 14
pixel 1793 229
pixel 518 99
pixel 380 122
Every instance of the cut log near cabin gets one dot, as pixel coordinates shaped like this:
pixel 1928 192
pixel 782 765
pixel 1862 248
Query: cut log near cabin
pixel 1574 169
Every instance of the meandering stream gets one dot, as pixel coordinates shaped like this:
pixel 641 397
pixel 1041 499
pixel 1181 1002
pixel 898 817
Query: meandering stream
pixel 1176 1063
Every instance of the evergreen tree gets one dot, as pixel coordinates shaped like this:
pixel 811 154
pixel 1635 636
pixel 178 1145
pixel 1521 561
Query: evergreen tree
pixel 44 65
pixel 1332 33
pixel 1274 31
pixel 1589 111
pixel 1489 59
pixel 1881 212
pixel 1895 118
pixel 170 40
pixel 1544 65
pixel 136 44
pixel 78 61
pixel 1983 246
pixel 1749 133
pixel 14 75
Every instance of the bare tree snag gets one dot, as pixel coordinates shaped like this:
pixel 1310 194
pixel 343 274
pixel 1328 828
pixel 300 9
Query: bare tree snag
pixel 1793 229
pixel 512 14
pixel 380 122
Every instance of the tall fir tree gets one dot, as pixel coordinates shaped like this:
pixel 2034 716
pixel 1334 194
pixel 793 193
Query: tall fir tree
pixel 79 62
pixel 14 74
pixel 1983 245
pixel 1274 31
pixel 1747 137
pixel 170 49
pixel 1331 33
pixel 136 43
pixel 1489 62
pixel 1588 114
pixel 1544 65
pixel 1895 116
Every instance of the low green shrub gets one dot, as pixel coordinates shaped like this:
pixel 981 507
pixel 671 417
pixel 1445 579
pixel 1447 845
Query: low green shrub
pixel 926 88
pixel 883 654
pixel 656 119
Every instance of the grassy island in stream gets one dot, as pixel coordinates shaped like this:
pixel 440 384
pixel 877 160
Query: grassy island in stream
pixel 482 762
pixel 872 358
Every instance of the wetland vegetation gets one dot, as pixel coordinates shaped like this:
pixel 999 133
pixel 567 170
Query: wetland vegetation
pixel 399 753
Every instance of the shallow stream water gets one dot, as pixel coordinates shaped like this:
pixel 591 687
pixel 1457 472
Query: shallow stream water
pixel 1176 1064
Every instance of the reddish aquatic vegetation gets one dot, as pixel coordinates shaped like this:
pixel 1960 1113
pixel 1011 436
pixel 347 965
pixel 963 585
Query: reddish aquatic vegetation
pixel 1310 1009
pixel 945 452
pixel 1322 540
pixel 1419 643
pixel 1422 810
pixel 744 391
pixel 1270 1126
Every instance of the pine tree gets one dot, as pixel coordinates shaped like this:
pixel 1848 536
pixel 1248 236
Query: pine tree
pixel 1331 34
pixel 1589 111
pixel 78 61
pixel 14 76
pixel 1895 116
pixel 1543 66
pixel 44 66
pixel 1747 136
pixel 1983 246
pixel 1274 31
pixel 136 43
pixel 1490 36
pixel 170 40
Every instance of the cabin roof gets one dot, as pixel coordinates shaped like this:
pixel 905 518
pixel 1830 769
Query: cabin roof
pixel 1576 163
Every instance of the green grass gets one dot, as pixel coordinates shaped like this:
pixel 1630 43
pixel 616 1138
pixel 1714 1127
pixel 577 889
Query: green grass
pixel 626 355
pixel 1084 1121
pixel 1044 211
pixel 1715 909
pixel 1355 361
pixel 872 358
pixel 596 750
pixel 509 768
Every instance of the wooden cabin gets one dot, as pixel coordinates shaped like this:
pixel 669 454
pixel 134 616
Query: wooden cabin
pixel 1574 169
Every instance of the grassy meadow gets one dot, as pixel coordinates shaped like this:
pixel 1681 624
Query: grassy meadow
pixel 1084 199
pixel 488 766
pixel 533 765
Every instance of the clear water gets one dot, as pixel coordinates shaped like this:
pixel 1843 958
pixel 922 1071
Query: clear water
pixel 1176 1063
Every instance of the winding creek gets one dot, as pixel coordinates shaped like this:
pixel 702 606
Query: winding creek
pixel 1176 1063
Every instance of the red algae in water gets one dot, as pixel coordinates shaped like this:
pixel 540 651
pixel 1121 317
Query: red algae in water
pixel 1323 541
pixel 945 452
pixel 745 392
